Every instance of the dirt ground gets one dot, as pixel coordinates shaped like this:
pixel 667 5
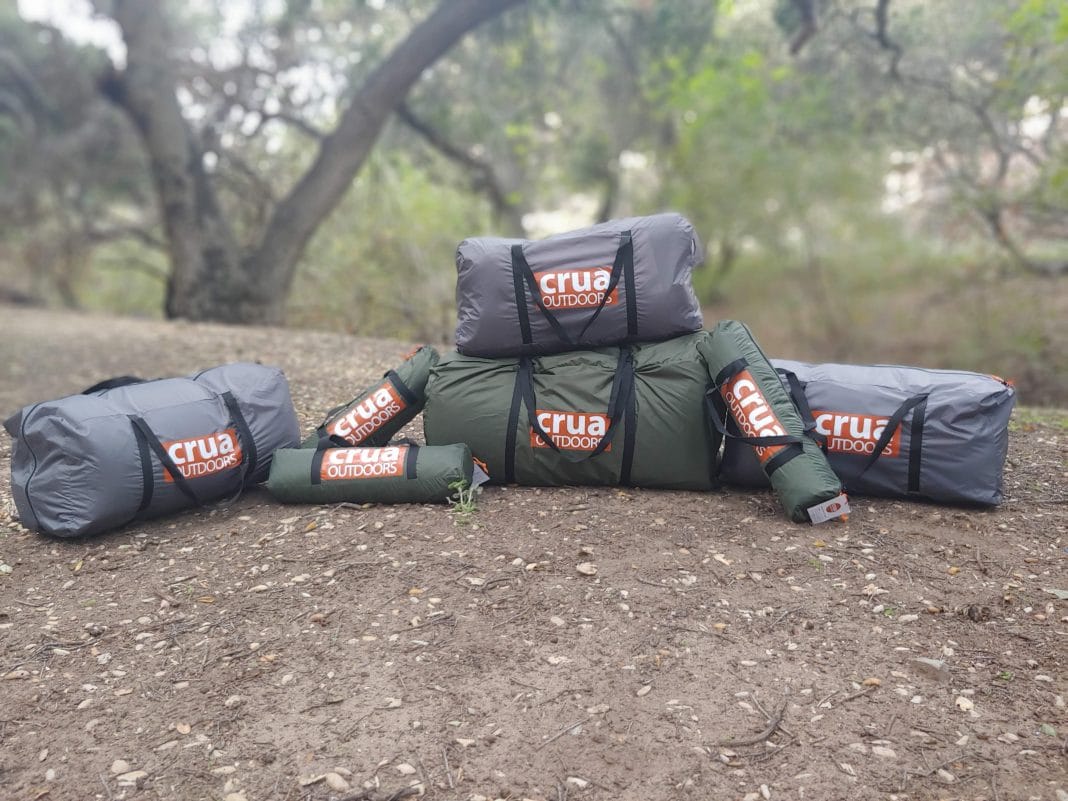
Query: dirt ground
pixel 719 652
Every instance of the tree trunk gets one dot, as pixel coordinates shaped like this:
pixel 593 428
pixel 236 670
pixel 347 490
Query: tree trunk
pixel 211 279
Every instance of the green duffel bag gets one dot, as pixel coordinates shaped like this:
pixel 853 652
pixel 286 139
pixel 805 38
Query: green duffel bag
pixel 375 415
pixel 747 403
pixel 404 473
pixel 630 415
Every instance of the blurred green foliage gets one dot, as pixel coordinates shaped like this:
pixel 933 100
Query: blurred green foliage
pixel 882 195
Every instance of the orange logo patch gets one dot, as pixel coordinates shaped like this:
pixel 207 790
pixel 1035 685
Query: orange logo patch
pixel 581 288
pixel 347 464
pixel 369 415
pixel 855 433
pixel 752 412
pixel 571 431
pixel 202 456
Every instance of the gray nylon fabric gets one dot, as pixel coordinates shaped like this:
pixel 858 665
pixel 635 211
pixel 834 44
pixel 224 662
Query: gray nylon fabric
pixel 666 250
pixel 437 471
pixel 470 399
pixel 76 467
pixel 805 480
pixel 964 438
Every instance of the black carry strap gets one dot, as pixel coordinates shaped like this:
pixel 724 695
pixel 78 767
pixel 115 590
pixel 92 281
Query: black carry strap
pixel 919 417
pixel 722 421
pixel 114 383
pixel 513 430
pixel 719 414
pixel 630 433
pixel 244 433
pixel 148 481
pixel 622 267
pixel 919 403
pixel 325 444
pixel 619 397
pixel 622 386
pixel 165 459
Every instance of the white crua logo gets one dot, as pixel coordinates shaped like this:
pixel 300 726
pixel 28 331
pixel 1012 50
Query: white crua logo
pixel 855 433
pixel 752 412
pixel 366 417
pixel 347 464
pixel 571 431
pixel 201 456
pixel 581 288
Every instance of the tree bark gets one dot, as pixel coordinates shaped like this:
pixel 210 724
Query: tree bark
pixel 211 278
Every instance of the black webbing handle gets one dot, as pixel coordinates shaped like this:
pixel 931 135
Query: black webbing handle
pixel 622 387
pixel 113 383
pixel 157 448
pixel 622 267
pixel 248 444
pixel 892 425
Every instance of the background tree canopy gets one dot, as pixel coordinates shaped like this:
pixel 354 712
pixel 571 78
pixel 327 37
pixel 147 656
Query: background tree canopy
pixel 875 180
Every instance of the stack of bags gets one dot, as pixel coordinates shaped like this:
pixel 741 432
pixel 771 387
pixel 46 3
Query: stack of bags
pixel 580 359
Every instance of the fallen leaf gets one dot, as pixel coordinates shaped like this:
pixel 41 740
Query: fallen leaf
pixel 965 704
pixel 586 568
pixel 1062 595
pixel 183 728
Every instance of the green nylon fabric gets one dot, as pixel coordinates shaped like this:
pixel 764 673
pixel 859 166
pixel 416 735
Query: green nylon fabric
pixel 436 468
pixel 469 400
pixel 805 480
pixel 414 372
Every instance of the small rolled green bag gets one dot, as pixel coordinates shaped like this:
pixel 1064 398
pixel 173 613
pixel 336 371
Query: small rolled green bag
pixel 375 415
pixel 404 473
pixel 747 403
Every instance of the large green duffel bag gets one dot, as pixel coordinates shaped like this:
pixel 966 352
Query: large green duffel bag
pixel 749 405
pixel 379 412
pixel 630 415
pixel 404 473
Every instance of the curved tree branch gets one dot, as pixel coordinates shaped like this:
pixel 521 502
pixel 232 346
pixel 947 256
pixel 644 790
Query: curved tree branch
pixel 484 176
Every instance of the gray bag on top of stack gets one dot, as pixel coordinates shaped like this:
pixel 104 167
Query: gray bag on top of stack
pixel 617 282
pixel 128 449
pixel 900 432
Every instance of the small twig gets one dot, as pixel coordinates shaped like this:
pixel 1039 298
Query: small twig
pixel 826 698
pixel 448 770
pixel 107 789
pixel 640 580
pixel 758 738
pixel 854 696
pixel 994 786
pixel 563 731
pixel 328 702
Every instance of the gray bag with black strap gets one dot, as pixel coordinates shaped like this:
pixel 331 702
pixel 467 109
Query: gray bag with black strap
pixel 621 281
pixel 128 449
pixel 900 432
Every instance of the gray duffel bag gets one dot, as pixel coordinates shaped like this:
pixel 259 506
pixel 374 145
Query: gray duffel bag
pixel 617 282
pixel 128 449
pixel 900 432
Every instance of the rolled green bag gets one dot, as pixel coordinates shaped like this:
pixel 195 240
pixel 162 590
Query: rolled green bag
pixel 393 474
pixel 747 402
pixel 375 415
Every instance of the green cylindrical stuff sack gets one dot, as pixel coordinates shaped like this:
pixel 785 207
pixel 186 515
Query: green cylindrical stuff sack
pixel 748 403
pixel 629 415
pixel 404 473
pixel 379 412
